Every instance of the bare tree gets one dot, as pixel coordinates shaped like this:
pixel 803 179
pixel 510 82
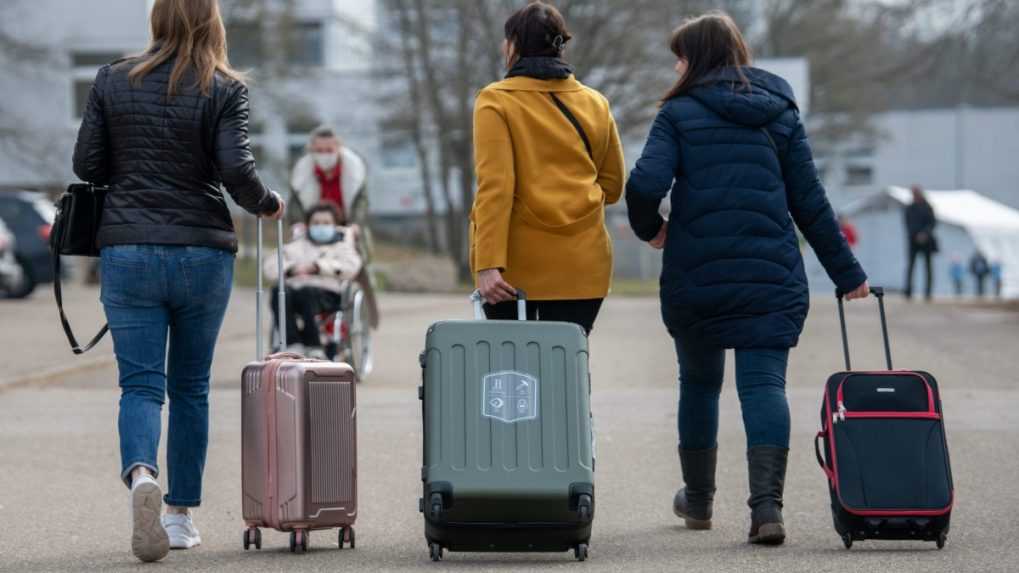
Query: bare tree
pixel 415 123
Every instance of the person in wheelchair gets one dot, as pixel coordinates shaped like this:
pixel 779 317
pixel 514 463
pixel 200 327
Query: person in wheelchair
pixel 316 267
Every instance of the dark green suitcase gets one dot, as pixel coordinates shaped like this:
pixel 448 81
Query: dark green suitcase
pixel 508 442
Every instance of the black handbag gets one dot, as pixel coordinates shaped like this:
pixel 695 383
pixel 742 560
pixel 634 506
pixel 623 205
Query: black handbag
pixel 79 214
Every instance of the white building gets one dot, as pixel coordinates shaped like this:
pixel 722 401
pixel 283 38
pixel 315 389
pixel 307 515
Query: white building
pixel 44 91
pixel 962 148
pixel 328 80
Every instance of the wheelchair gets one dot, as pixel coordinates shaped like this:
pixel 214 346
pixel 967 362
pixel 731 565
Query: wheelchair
pixel 345 332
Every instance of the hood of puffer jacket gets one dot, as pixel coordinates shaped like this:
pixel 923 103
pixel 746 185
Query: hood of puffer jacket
pixel 756 105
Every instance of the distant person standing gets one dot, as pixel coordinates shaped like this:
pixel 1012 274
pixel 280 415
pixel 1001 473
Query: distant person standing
pixel 920 223
pixel 997 278
pixel 848 231
pixel 979 268
pixel 958 274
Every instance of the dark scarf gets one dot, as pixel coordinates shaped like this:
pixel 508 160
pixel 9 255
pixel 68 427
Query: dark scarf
pixel 541 68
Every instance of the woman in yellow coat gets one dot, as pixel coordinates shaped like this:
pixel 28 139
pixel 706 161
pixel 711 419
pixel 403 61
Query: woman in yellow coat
pixel 548 160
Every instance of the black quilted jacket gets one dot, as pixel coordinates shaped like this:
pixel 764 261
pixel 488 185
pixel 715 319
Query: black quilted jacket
pixel 166 159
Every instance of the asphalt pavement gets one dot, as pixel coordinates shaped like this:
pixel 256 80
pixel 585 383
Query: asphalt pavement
pixel 62 507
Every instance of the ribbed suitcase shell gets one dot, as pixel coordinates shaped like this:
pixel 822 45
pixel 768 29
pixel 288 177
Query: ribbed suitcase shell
pixel 299 453
pixel 507 485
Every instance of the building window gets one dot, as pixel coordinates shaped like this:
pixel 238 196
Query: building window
pixel 93 59
pixel 398 151
pixel 84 66
pixel 302 124
pixel 244 44
pixel 859 175
pixel 307 44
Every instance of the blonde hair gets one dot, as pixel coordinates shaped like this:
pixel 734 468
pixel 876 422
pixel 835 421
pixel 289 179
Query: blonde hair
pixel 193 31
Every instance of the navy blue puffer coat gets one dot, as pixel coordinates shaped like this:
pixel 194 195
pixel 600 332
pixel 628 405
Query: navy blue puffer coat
pixel 741 173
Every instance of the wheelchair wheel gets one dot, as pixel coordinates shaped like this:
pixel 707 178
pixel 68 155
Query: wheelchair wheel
pixel 360 342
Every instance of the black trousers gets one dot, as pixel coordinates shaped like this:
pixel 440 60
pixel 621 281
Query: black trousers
pixel 303 305
pixel 925 251
pixel 581 312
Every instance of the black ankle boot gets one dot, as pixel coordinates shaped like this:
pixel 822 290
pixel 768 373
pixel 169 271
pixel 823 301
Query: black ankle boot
pixel 693 502
pixel 767 466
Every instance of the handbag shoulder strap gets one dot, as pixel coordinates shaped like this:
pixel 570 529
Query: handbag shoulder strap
pixel 75 347
pixel 573 120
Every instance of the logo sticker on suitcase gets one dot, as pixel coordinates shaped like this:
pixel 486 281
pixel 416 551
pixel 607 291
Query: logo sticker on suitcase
pixel 509 396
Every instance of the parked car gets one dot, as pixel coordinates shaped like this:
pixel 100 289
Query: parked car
pixel 10 272
pixel 29 216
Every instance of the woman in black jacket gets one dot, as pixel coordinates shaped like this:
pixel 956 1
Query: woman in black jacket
pixel 165 131
pixel 729 143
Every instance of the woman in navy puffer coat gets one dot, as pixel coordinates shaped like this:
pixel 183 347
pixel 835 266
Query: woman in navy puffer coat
pixel 730 145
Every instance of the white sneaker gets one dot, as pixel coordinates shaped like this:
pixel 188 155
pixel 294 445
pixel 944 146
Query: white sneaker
pixel 181 530
pixel 316 353
pixel 149 541
pixel 296 348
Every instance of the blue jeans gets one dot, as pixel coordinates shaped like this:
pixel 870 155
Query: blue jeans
pixel 154 294
pixel 760 382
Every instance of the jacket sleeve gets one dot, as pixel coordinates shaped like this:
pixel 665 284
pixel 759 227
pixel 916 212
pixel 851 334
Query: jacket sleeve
pixel 814 216
pixel 270 268
pixel 92 149
pixel 613 166
pixel 234 160
pixel 493 163
pixel 652 178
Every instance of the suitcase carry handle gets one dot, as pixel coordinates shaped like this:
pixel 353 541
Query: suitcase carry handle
pixel 479 312
pixel 820 460
pixel 879 294
pixel 281 330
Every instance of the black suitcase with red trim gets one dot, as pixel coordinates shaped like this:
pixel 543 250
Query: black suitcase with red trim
pixel 885 453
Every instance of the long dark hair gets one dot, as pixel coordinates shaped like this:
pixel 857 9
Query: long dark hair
pixel 707 43
pixel 537 29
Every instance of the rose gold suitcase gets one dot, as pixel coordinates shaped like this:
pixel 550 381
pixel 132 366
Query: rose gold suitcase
pixel 299 441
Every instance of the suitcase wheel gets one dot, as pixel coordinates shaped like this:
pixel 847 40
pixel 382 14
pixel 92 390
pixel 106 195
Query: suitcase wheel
pixel 580 552
pixel 584 508
pixel 942 538
pixel 299 541
pixel 346 536
pixel 252 536
pixel 437 506
pixel 435 551
pixel 847 540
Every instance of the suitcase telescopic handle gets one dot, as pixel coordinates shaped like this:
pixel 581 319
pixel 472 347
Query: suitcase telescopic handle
pixel 879 294
pixel 281 330
pixel 479 312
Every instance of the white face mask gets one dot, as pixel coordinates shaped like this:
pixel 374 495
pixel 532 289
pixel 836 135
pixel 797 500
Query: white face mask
pixel 326 161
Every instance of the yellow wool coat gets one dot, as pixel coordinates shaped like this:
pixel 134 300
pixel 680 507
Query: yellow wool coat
pixel 539 212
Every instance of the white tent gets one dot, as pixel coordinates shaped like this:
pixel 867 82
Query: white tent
pixel 967 222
